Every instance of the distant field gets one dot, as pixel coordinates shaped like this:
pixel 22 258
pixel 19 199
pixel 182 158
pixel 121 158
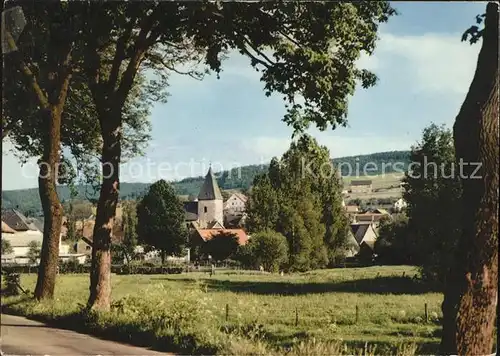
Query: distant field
pixel 272 310
pixel 384 186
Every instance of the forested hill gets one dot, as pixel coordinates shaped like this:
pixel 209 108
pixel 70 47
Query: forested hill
pixel 27 200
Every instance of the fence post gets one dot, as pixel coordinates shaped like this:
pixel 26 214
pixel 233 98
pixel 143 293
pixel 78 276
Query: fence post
pixel 227 312
pixel 426 313
pixel 357 313
pixel 296 316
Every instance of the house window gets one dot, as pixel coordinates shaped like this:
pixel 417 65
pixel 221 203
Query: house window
pixel 87 248
pixel 205 209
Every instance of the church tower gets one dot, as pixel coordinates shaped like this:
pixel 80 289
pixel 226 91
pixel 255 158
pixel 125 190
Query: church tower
pixel 210 202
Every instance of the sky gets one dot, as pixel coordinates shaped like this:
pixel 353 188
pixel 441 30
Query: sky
pixel 424 73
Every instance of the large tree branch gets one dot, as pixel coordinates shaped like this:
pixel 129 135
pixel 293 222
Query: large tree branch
pixel 65 80
pixel 120 54
pixel 292 40
pixel 244 42
pixel 162 60
pixel 141 45
pixel 42 97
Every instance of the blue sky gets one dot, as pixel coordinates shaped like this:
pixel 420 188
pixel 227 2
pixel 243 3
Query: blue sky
pixel 424 73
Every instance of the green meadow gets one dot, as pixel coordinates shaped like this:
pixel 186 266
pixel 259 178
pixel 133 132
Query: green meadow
pixel 372 310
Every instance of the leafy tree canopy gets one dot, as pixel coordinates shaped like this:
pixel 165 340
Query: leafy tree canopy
pixel 300 197
pixel 160 220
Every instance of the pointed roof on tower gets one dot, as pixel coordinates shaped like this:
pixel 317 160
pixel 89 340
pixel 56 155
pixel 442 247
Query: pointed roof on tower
pixel 210 189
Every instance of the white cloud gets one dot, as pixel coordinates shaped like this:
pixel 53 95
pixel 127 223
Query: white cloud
pixel 367 62
pixel 437 63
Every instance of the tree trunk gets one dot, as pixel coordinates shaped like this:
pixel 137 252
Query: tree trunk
pixel 52 208
pixel 100 275
pixel 471 298
pixel 162 257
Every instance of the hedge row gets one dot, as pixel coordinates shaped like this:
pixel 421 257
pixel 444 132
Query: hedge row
pixel 79 268
pixel 148 270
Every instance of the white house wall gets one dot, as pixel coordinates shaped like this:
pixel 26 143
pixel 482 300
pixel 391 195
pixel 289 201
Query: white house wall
pixel 234 204
pixel 370 235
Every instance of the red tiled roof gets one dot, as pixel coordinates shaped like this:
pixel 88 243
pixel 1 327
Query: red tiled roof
pixel 208 234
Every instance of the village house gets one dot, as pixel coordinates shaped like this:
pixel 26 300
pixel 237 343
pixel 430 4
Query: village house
pixel 235 204
pixel 20 231
pixel 204 217
pixel 206 212
pixel 372 216
pixel 365 236
pixel 361 186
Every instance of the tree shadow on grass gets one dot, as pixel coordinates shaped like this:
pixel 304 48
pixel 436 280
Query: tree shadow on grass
pixel 379 285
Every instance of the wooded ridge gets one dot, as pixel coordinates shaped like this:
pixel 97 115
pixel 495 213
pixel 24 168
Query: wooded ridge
pixel 28 199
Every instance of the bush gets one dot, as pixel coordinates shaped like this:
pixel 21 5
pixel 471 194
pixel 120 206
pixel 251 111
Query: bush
pixel 70 266
pixel 245 256
pixel 21 269
pixel 148 268
pixel 267 248
pixel 12 281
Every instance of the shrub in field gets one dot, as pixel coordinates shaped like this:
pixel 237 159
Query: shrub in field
pixel 222 246
pixel 184 318
pixel 270 250
pixel 12 284
pixel 245 256
pixel 70 266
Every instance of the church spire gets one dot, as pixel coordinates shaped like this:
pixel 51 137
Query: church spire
pixel 210 189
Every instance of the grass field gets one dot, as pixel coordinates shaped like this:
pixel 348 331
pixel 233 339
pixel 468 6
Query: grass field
pixel 384 186
pixel 264 312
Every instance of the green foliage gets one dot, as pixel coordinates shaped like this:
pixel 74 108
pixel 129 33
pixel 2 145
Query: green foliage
pixel 263 205
pixel 313 50
pixel 81 210
pixel 433 192
pixel 160 220
pixel 177 314
pixel 70 266
pixel 125 250
pixel 129 229
pixel 34 249
pixel 269 249
pixel 6 247
pixel 245 256
pixel 300 197
pixel 71 233
pixel 225 195
pixel 222 246
pixel 394 244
